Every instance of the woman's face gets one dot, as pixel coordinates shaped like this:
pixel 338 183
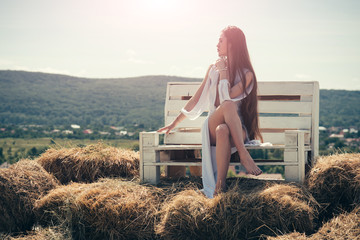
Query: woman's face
pixel 222 46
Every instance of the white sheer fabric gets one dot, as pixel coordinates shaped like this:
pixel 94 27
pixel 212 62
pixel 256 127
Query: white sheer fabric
pixel 207 98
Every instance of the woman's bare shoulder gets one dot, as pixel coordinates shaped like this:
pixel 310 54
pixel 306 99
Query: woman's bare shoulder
pixel 249 76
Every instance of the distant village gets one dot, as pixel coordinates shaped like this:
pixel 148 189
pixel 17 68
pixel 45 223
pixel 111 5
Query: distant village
pixel 72 131
pixel 330 138
pixel 347 136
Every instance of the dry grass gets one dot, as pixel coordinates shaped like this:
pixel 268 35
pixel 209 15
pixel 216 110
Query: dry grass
pixel 290 236
pixel 90 163
pixel 334 181
pixel 269 210
pixel 344 226
pixel 20 186
pixel 108 209
pixel 50 233
pixel 58 207
pixel 238 213
pixel 123 209
pixel 189 215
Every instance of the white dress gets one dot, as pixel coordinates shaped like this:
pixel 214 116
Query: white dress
pixel 207 99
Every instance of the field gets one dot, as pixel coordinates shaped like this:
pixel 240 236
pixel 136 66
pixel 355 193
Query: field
pixel 18 148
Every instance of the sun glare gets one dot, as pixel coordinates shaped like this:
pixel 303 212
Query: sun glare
pixel 159 5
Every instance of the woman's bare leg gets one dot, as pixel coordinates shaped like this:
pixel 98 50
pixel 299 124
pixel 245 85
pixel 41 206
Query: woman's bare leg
pixel 223 154
pixel 227 114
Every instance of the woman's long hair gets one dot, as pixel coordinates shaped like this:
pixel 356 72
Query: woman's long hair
pixel 241 60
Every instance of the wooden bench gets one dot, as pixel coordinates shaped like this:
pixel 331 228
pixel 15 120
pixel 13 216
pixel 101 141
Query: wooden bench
pixel 289 119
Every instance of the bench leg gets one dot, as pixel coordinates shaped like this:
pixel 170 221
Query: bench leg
pixel 291 172
pixel 297 156
pixel 151 174
pixel 148 156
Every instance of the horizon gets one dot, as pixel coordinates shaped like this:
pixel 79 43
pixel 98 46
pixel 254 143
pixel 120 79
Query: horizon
pixel 312 41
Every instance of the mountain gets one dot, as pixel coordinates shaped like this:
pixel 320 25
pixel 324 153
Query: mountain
pixel 53 99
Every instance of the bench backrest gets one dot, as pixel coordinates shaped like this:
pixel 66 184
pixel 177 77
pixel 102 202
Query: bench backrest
pixel 289 105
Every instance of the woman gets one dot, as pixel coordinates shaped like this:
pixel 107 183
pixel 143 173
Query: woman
pixel 230 90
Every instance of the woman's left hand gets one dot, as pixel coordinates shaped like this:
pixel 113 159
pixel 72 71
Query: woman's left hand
pixel 221 64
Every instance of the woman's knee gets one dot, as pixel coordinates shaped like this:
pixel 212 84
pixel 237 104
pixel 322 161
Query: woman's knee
pixel 222 130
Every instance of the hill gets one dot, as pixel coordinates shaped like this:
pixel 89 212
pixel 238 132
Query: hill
pixel 52 99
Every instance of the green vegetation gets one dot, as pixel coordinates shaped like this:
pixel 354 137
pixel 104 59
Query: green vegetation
pixel 136 103
pixel 14 149
pixel 339 108
pixel 58 100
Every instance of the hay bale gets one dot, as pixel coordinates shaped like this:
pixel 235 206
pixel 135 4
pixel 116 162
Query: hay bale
pixel 90 163
pixel 58 206
pixel 189 215
pixel 51 233
pixel 240 213
pixel 344 226
pixel 20 186
pixel 290 236
pixel 334 181
pixel 172 186
pixel 270 210
pixel 108 209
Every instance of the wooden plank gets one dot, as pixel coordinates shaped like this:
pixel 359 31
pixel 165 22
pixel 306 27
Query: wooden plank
pixel 174 164
pixel 285 107
pixel 291 173
pixel 187 122
pixel 183 90
pixel 285 88
pixel 265 122
pixel 315 122
pixel 277 136
pixel 301 156
pixel 198 147
pixel 183 138
pixel 288 122
pixel 231 164
pixel 274 138
pixel 174 106
pixel 306 98
pixel 184 83
pixel 178 147
pixel 279 98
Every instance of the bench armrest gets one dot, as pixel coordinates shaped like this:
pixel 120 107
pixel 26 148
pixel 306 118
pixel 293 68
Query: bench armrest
pixel 149 139
pixel 296 138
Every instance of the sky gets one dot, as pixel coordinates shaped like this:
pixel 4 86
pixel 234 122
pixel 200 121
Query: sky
pixel 302 40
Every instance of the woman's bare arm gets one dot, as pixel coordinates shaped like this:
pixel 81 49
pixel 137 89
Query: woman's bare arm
pixel 194 99
pixel 188 107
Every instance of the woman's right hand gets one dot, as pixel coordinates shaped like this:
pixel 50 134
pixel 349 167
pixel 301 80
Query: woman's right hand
pixel 167 128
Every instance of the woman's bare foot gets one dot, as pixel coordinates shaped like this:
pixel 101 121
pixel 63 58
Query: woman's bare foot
pixel 219 188
pixel 249 164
